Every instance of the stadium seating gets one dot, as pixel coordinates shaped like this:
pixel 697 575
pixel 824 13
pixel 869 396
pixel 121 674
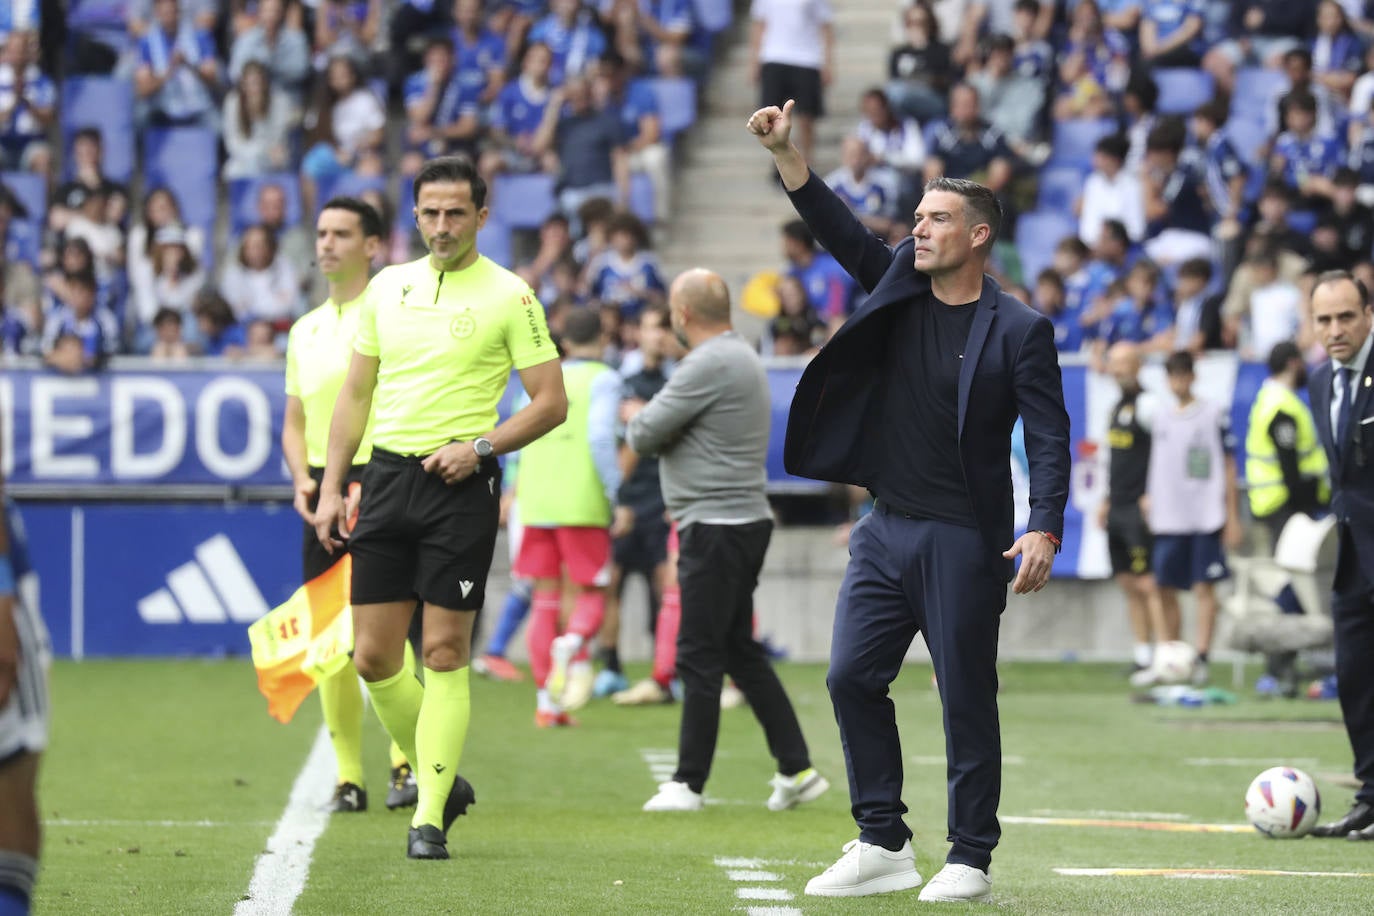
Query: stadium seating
pixel 1248 135
pixel 713 15
pixel 1060 187
pixel 1183 89
pixel 186 161
pixel 1256 88
pixel 1074 140
pixel 523 201
pixel 677 105
pixel 108 104
pixel 1037 233
pixel 642 197
pixel 348 184
pixel 31 191
pixel 243 200
pixel 494 241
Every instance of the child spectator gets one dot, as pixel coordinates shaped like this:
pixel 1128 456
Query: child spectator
pixel 1225 176
pixel 828 288
pixel 257 125
pixel 160 211
pixel 262 340
pixel 1304 157
pixel 1178 226
pixel 169 345
pixel 178 72
pixel 555 246
pixel 220 334
pixel 78 317
pixel 1111 192
pixel 87 169
pixel 170 278
pixel 1141 316
pixel 627 275
pixel 797 330
pixel 1197 315
pixel 258 283
pixel 1051 300
pixel 516 116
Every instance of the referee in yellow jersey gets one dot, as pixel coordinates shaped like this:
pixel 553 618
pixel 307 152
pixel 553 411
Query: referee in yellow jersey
pixel 437 340
pixel 348 235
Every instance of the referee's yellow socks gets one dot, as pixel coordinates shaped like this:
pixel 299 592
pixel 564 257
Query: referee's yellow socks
pixel 439 739
pixel 342 701
pixel 397 701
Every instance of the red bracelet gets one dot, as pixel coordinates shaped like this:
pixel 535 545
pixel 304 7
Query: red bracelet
pixel 1053 540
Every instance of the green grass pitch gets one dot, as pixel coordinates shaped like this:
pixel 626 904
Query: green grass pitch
pixel 165 779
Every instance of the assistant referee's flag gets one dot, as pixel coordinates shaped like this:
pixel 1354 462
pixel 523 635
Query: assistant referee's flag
pixel 304 640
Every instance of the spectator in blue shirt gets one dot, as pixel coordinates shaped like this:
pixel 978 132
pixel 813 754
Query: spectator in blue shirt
pixel 573 36
pixel 177 71
pixel 1051 300
pixel 480 54
pixel 1178 226
pixel 409 20
pixel 867 187
pixel 220 334
pixel 1142 315
pixel 1171 32
pixel 828 287
pixel 443 114
pixel 641 124
pixel 1304 157
pixel 1225 176
pixel 1086 281
pixel 965 146
pixel 1337 52
pixel 626 274
pixel 588 146
pixel 1093 66
pixel 77 316
pixel 1262 31
pixel 27 106
pixel 279 46
pixel 516 116
pixel 652 35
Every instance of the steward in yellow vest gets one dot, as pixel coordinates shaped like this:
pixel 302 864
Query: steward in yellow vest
pixel 1285 465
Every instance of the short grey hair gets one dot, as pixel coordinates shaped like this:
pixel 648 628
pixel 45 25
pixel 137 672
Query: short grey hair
pixel 980 204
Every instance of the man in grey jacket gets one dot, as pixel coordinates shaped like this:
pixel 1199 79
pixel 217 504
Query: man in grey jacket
pixel 709 427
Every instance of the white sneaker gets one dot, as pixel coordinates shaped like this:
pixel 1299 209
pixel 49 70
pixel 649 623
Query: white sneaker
pixel 1145 677
pixel 956 883
pixel 647 692
pixel 790 791
pixel 731 697
pixel 561 655
pixel 674 796
pixel 578 690
pixel 867 869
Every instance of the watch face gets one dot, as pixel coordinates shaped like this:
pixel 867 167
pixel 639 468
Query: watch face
pixel 482 447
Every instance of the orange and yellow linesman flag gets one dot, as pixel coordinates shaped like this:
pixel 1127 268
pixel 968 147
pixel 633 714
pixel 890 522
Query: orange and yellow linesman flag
pixel 308 638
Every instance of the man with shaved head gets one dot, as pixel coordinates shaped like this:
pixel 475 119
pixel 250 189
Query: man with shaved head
pixel 1128 537
pixel 709 427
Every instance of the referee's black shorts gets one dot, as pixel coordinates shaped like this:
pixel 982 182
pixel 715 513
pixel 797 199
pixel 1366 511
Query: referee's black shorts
pixel 780 82
pixel 314 558
pixel 418 537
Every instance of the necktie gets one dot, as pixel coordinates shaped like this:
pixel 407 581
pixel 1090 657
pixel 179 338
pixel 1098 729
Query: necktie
pixel 1347 401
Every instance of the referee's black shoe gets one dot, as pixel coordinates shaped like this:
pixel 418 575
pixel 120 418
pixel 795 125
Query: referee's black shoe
pixel 459 798
pixel 403 792
pixel 1360 816
pixel 348 798
pixel 426 842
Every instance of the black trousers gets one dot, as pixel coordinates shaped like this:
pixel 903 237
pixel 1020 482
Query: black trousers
pixel 1352 612
pixel 718 569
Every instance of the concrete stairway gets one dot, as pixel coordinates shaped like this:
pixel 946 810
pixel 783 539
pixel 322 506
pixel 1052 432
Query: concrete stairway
pixel 727 213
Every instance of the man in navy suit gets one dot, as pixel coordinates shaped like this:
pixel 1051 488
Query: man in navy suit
pixel 1343 407
pixel 915 398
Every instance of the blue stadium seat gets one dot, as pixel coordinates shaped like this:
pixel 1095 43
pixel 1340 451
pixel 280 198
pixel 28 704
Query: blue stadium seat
pixel 108 104
pixel 26 234
pixel 642 197
pixel 523 201
pixel 1256 88
pixel 713 15
pixel 677 104
pixel 494 241
pixel 97 14
pixel 1060 187
pixel 348 185
pixel 1302 221
pixel 1183 89
pixel 1074 140
pixel 1037 233
pixel 1248 136
pixel 185 160
pixel 243 200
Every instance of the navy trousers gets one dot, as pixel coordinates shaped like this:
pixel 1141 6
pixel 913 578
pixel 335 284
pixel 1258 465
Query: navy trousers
pixel 1352 612
pixel 909 576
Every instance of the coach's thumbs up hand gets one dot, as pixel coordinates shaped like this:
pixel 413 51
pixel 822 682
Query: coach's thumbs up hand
pixel 773 127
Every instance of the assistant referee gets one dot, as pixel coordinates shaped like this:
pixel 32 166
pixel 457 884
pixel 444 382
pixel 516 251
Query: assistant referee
pixel 437 339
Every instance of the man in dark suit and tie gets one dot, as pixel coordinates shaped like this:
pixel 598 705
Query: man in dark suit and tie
pixel 915 398
pixel 1343 407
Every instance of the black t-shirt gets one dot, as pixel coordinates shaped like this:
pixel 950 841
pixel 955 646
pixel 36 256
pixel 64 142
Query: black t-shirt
pixel 640 490
pixel 1129 467
pixel 921 472
pixel 928 65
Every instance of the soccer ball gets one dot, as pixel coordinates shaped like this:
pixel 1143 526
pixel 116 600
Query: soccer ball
pixel 1173 662
pixel 1283 803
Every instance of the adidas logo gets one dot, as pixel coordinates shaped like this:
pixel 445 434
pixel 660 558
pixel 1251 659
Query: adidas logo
pixel 466 588
pixel 215 587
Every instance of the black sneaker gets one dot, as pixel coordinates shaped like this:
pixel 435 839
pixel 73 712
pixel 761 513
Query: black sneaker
pixel 348 798
pixel 459 798
pixel 403 792
pixel 426 842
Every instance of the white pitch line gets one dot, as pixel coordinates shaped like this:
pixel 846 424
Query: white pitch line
pixel 281 871
pixel 1247 761
pixel 763 893
pixel 1115 815
pixel 773 911
pixel 736 862
pixel 751 874
pixel 1203 873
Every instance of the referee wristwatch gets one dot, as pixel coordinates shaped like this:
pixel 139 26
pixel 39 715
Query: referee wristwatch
pixel 483 447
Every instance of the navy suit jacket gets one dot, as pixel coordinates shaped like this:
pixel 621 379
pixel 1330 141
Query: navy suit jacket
pixel 1010 367
pixel 1352 465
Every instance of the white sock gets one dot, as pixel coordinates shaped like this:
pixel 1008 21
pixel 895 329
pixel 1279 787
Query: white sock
pixel 1143 653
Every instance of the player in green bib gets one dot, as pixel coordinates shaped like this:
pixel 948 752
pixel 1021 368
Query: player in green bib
pixel 348 235
pixel 437 340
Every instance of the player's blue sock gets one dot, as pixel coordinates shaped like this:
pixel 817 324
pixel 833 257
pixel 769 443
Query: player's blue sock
pixel 512 615
pixel 17 874
pixel 12 902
